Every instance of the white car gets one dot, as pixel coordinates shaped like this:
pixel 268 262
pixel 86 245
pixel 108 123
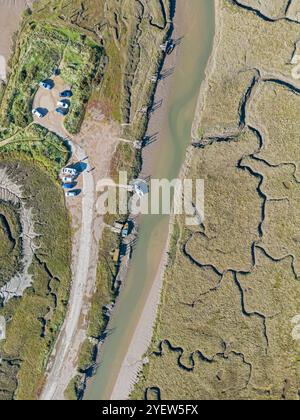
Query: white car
pixel 63 104
pixel 67 179
pixel 70 171
pixel 37 113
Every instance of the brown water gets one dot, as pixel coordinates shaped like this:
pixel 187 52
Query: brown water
pixel 196 21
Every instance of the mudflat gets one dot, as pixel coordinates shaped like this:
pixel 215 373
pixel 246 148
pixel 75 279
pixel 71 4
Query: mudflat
pixel 10 15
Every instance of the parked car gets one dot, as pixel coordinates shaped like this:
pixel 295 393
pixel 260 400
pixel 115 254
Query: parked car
pixel 61 111
pixel 66 94
pixel 38 113
pixel 46 85
pixel 69 186
pixel 70 171
pixel 67 179
pixel 63 104
pixel 72 193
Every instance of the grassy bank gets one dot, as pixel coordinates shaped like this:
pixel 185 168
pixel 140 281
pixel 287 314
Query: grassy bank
pixel 34 320
pixel 130 34
pixel 41 49
pixel 32 158
pixel 10 241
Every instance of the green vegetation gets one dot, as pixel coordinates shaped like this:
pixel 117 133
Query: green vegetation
pixel 110 96
pixel 130 33
pixel 39 50
pixel 35 58
pixel 87 355
pixel 74 389
pixel 8 378
pixel 104 295
pixel 105 292
pixel 128 159
pixel 32 157
pixel 34 320
pixel 79 68
pixel 10 242
pixel 36 144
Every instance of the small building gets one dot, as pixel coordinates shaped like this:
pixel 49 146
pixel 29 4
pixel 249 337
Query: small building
pixel 141 188
pixel 117 227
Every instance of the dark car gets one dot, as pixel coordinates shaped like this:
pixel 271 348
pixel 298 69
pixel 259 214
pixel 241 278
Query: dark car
pixel 73 193
pixel 61 111
pixel 46 84
pixel 69 186
pixel 66 94
pixel 40 112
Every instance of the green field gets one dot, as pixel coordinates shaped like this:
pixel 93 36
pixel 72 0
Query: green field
pixel 38 144
pixel 10 242
pixel 39 51
pixel 34 320
pixel 130 33
pixel 32 158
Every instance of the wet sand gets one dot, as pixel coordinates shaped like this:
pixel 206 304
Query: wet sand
pixel 10 16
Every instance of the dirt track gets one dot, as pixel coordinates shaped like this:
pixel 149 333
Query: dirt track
pixel 61 368
pixel 95 146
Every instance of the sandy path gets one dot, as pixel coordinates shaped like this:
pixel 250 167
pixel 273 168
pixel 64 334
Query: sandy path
pixel 88 227
pixel 95 145
pixel 65 355
pixel 62 364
